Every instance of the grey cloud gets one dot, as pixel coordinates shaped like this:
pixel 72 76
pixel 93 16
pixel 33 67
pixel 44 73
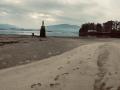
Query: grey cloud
pixel 17 13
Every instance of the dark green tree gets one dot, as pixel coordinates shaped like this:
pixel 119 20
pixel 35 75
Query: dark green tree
pixel 42 30
pixel 99 27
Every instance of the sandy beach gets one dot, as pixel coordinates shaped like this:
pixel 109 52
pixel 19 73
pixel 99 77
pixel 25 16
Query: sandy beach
pixel 82 64
pixel 19 50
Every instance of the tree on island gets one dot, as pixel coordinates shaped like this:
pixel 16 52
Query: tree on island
pixel 108 26
pixel 86 27
pixel 99 27
pixel 42 30
pixel 109 29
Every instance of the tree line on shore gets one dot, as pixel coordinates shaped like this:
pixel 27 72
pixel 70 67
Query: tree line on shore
pixel 107 29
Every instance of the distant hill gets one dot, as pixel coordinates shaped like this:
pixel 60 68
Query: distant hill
pixel 7 26
pixel 63 27
pixel 51 28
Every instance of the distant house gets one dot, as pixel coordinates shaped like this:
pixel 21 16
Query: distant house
pixel 91 31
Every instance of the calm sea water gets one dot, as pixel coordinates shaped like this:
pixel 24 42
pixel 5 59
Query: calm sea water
pixel 36 32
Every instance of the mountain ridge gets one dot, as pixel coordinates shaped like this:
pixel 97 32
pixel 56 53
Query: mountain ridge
pixel 7 26
pixel 57 27
pixel 63 27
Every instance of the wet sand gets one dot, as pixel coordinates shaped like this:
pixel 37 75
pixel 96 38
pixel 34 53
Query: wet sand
pixel 18 50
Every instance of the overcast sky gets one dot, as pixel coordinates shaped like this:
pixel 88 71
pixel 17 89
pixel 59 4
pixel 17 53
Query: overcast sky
pixel 30 13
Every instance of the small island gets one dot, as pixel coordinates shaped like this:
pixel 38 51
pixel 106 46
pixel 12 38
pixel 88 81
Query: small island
pixel 107 29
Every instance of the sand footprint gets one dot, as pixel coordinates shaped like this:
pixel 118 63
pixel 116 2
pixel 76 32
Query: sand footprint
pixel 118 88
pixel 68 62
pixel 77 68
pixel 58 76
pixel 54 84
pixel 61 67
pixel 35 86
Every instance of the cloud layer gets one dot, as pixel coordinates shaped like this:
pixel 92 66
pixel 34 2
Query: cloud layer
pixel 30 13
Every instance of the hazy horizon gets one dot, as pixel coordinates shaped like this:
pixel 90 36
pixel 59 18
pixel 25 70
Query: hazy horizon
pixel 30 13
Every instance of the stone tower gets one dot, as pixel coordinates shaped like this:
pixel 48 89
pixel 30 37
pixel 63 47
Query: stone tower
pixel 42 30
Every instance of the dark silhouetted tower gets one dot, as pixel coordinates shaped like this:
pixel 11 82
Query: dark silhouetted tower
pixel 42 30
